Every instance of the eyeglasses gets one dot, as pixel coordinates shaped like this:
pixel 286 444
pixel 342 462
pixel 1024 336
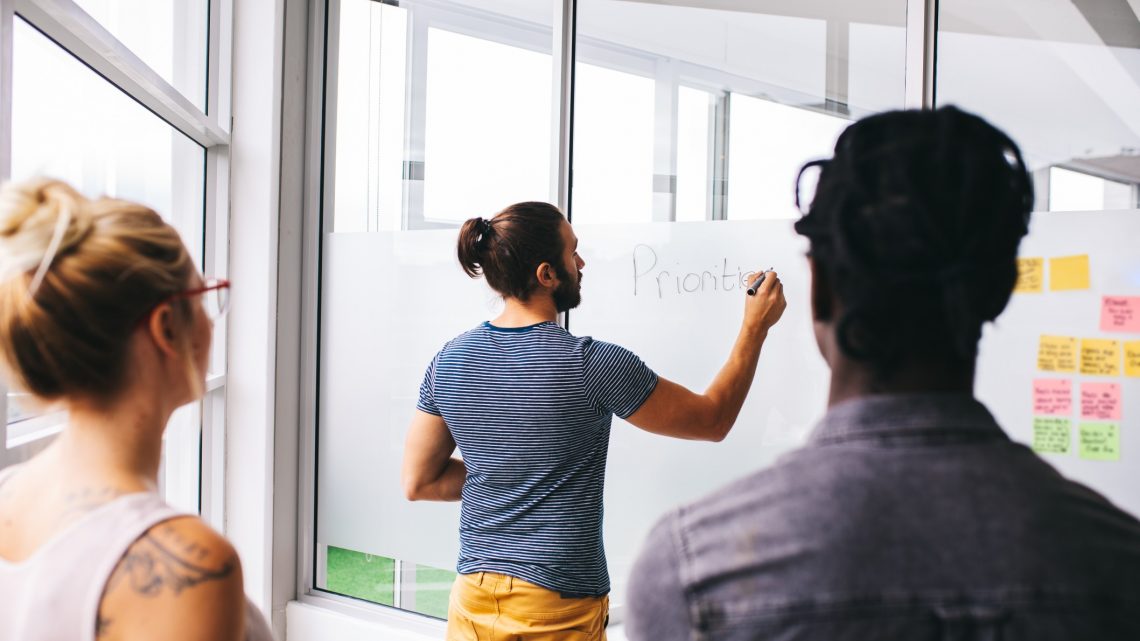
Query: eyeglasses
pixel 804 204
pixel 215 293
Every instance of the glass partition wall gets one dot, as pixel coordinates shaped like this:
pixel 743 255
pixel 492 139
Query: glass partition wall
pixel 445 110
pixel 678 112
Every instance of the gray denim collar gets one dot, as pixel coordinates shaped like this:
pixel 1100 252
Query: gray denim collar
pixel 869 417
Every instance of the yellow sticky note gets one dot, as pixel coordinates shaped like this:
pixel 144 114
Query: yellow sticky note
pixel 1030 276
pixel 1100 357
pixel 1069 272
pixel 1132 359
pixel 1057 354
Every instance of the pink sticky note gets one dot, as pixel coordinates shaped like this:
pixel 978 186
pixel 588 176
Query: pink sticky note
pixel 1120 314
pixel 1052 397
pixel 1100 401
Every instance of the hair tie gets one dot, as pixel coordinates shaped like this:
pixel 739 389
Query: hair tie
pixel 484 226
pixel 63 219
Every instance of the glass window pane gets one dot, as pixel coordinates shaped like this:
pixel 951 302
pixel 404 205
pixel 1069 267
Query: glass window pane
pixel 444 112
pixel 1076 191
pixel 709 111
pixel 110 146
pixel 1062 79
pixel 694 129
pixel 170 36
pixel 818 68
pixel 768 144
pixel 487 142
pixel 612 182
pixel 371 75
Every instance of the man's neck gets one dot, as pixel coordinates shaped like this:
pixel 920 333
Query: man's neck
pixel 536 309
pixel 851 380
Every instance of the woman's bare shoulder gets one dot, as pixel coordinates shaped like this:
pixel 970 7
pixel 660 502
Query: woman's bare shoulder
pixel 179 580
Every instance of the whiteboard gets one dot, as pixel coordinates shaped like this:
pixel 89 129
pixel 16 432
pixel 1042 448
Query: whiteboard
pixel 671 293
pixel 661 290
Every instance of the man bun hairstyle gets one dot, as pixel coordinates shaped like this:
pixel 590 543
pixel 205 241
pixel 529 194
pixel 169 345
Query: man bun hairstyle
pixel 508 248
pixel 915 224
pixel 76 278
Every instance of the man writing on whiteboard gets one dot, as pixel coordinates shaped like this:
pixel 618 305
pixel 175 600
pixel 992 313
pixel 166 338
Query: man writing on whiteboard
pixel 529 406
pixel 909 514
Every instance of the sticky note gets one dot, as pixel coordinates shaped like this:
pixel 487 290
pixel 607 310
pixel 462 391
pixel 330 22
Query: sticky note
pixel 1100 401
pixel 1051 435
pixel 1132 359
pixel 1100 357
pixel 1069 272
pixel 1057 354
pixel 1120 314
pixel 1030 276
pixel 1052 397
pixel 1100 441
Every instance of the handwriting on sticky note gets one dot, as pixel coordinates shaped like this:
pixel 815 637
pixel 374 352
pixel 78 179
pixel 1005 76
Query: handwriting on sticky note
pixel 1100 357
pixel 1132 359
pixel 1052 397
pixel 1100 401
pixel 1100 441
pixel 1051 435
pixel 1057 354
pixel 1120 314
pixel 1068 273
pixel 1030 276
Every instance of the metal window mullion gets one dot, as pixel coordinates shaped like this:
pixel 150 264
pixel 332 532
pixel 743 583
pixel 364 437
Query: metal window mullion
pixel 665 127
pixel 921 51
pixel 718 191
pixel 415 117
pixel 82 36
pixel 565 31
pixel 5 93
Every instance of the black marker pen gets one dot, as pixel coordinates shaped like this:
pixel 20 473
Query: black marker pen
pixel 755 286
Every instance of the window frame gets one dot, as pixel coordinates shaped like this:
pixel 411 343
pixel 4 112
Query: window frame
pixel 78 34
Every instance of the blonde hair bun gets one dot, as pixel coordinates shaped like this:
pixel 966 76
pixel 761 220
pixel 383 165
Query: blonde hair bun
pixel 31 213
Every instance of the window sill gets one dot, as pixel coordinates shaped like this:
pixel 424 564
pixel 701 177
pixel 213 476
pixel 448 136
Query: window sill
pixel 318 618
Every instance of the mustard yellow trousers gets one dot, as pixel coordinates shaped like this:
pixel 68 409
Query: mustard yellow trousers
pixel 486 606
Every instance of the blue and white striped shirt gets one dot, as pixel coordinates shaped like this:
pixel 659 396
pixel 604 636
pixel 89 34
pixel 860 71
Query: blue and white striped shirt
pixel 530 409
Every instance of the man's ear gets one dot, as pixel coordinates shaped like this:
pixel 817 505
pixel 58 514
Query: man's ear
pixel 546 275
pixel 160 327
pixel 822 295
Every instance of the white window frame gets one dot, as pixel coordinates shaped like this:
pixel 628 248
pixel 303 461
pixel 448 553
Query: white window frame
pixel 80 35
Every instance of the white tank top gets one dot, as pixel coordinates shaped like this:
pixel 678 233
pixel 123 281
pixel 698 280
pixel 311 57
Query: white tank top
pixel 55 593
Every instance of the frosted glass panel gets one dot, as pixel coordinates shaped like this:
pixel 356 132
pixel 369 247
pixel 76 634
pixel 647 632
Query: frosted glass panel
pixel 389 303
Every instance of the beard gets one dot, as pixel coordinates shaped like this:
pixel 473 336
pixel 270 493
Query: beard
pixel 568 295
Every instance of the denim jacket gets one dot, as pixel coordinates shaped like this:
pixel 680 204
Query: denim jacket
pixel 904 517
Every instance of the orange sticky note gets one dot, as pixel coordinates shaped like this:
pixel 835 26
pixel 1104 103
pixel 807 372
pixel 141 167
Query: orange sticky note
pixel 1100 357
pixel 1052 397
pixel 1068 273
pixel 1057 354
pixel 1100 401
pixel 1132 359
pixel 1030 276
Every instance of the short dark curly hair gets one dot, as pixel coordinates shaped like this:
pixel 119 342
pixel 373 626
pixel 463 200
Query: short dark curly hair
pixel 915 224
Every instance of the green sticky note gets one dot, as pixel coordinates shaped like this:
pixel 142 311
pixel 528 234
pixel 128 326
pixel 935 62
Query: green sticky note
pixel 1100 441
pixel 1051 434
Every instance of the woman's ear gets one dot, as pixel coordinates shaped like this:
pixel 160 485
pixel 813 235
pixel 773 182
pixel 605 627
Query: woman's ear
pixel 822 295
pixel 160 328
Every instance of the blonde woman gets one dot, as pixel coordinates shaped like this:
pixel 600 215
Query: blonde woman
pixel 103 314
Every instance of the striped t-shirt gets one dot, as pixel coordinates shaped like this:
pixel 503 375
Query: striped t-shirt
pixel 530 409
